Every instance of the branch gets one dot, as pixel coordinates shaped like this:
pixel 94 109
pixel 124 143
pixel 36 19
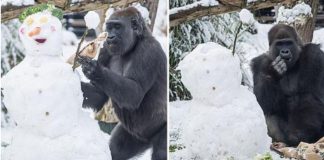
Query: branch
pixel 236 36
pixel 201 11
pixel 10 12
pixel 152 6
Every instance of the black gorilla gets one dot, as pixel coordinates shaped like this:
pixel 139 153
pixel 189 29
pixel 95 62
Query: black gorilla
pixel 132 71
pixel 289 86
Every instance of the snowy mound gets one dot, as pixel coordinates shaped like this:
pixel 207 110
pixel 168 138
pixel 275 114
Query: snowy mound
pixel 205 70
pixel 232 123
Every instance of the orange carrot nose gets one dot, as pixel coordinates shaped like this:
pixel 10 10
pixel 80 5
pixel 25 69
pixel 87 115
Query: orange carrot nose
pixel 34 32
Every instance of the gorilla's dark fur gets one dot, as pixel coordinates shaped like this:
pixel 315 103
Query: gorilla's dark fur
pixel 289 86
pixel 132 71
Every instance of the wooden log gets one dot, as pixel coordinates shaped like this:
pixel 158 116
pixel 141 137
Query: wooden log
pixel 58 3
pixel 152 6
pixel 306 30
pixel 10 12
pixel 225 6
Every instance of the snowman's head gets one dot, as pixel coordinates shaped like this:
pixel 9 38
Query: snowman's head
pixel 41 34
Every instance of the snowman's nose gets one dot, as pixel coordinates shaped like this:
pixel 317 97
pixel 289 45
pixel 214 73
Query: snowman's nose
pixel 34 32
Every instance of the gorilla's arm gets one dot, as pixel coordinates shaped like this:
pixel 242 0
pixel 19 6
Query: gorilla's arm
pixel 140 72
pixel 266 84
pixel 311 94
pixel 306 122
pixel 92 97
pixel 268 94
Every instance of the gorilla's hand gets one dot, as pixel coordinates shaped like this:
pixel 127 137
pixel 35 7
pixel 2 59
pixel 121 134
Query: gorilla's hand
pixel 90 67
pixel 279 65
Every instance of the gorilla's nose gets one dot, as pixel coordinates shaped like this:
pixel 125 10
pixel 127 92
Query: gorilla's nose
pixel 285 53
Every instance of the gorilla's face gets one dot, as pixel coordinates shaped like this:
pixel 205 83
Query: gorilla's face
pixel 121 35
pixel 284 42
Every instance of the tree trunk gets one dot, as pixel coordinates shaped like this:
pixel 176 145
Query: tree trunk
pixel 306 29
pixel 152 6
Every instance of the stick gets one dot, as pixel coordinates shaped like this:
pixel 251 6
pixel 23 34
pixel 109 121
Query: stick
pixel 77 54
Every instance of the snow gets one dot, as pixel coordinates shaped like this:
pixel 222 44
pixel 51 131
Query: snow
pixel 144 12
pixel 204 3
pixel 161 26
pixel 319 38
pixel 69 38
pixel 251 1
pixel 44 97
pixel 224 116
pixel 76 1
pixel 246 17
pixel 92 20
pixel 295 15
pixel 251 47
pixel 17 2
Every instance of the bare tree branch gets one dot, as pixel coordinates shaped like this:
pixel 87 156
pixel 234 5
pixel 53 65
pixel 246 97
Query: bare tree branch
pixel 10 12
pixel 225 6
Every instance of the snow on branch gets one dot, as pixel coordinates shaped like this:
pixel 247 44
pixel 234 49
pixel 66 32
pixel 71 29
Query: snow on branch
pixel 10 10
pixel 194 11
pixel 205 3
pixel 298 14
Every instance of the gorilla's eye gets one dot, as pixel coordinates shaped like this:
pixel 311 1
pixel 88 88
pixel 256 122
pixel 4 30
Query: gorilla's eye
pixel 117 26
pixel 134 23
pixel 284 43
pixel 109 27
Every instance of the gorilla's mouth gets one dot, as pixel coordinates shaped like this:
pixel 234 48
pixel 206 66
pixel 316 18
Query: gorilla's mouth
pixel 40 40
pixel 288 59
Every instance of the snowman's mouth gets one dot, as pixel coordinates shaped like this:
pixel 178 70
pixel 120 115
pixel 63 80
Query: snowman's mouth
pixel 40 40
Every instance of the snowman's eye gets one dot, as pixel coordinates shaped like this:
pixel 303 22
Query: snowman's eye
pixel 43 20
pixel 29 21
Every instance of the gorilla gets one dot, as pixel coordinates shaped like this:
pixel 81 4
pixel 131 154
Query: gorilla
pixel 289 86
pixel 131 70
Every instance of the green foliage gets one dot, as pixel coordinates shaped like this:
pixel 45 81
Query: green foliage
pixel 175 147
pixel 39 8
pixel 266 156
pixel 12 50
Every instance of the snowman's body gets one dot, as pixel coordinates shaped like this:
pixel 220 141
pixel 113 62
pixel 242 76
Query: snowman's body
pixel 44 97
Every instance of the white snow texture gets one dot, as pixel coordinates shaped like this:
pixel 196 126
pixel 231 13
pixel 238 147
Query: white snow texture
pixel 17 2
pixel 295 15
pixel 246 17
pixel 204 3
pixel 224 119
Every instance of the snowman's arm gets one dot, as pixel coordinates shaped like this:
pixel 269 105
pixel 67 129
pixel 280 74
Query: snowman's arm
pixel 93 97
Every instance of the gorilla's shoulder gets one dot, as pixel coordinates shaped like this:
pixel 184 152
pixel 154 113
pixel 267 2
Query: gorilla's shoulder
pixel 313 51
pixel 259 62
pixel 152 46
pixel 312 48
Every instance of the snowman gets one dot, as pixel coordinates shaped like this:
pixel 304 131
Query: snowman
pixel 44 97
pixel 226 121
